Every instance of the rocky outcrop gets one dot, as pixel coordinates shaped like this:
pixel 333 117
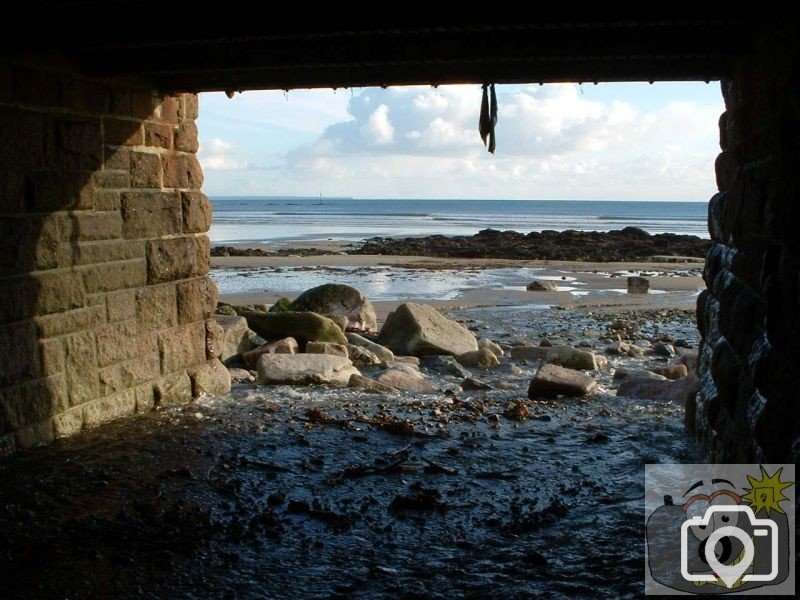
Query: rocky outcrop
pixel 304 369
pixel 619 245
pixel 341 300
pixel 420 330
pixel 552 381
pixel 302 326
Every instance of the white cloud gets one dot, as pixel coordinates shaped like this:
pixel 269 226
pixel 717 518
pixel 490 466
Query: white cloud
pixel 552 142
pixel 378 129
pixel 219 155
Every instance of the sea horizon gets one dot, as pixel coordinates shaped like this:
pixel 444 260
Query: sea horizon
pixel 267 219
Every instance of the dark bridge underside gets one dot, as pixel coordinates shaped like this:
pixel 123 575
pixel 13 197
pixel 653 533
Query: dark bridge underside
pixel 279 55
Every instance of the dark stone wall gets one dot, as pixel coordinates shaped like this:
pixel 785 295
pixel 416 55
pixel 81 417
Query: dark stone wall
pixel 749 406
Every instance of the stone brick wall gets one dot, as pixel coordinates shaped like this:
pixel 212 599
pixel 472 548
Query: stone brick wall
pixel 749 405
pixel 104 290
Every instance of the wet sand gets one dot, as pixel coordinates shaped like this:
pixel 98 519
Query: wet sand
pixel 680 279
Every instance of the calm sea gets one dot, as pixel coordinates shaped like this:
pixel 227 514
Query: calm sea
pixel 275 219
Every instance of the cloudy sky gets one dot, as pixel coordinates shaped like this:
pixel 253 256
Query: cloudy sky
pixel 610 141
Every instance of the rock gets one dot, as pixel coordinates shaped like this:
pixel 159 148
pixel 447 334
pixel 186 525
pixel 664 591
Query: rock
pixel 382 352
pixel 624 373
pixel 210 379
pixel 241 375
pixel 225 310
pixel 551 381
pixel 482 358
pixel 635 351
pixel 362 357
pixel 215 339
pixel 402 379
pixel 327 348
pixel 510 369
pixel 491 346
pixel 672 371
pixel 419 329
pixel 407 360
pixel 516 410
pixel 618 348
pixel 340 320
pixel 445 365
pixel 529 352
pixel 662 349
pixel 304 369
pixel 470 384
pixel 281 305
pixel 405 368
pixel 689 359
pixel 638 285
pixel 285 346
pixel 681 390
pixel 342 300
pixel 302 326
pixel 542 285
pixel 235 334
pixel 572 358
pixel 360 382
pixel 545 343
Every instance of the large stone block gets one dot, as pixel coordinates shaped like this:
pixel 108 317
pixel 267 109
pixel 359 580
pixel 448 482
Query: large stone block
pixel 110 277
pixel 116 179
pixel 81 362
pixel 90 226
pixel 158 135
pixel 51 356
pixel 68 423
pixel 182 347
pixel 145 170
pixel 156 307
pixel 167 110
pixel 129 374
pixel 49 190
pixel 122 132
pixel 123 341
pixel 172 389
pixel 121 305
pixel 210 378
pixel 196 212
pixel 191 106
pixel 79 143
pixel 235 336
pixel 197 299
pixel 59 292
pixel 186 139
pixel 150 214
pixel 177 258
pixel 107 409
pixel 182 171
pixel 32 402
pixel 215 339
pixel 18 353
pixel 91 253
pixel 69 322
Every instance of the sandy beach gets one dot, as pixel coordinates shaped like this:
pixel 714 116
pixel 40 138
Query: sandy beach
pixel 599 286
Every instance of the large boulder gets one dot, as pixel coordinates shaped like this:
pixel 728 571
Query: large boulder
pixel 420 330
pixel 542 285
pixel 551 381
pixel 405 379
pixel 302 326
pixel 382 352
pixel 304 369
pixel 572 358
pixel 285 346
pixel 342 300
pixel 235 337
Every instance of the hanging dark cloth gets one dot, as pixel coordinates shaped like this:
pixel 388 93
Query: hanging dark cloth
pixel 488 120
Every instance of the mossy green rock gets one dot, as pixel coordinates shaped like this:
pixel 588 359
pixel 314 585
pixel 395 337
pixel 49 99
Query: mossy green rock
pixel 281 305
pixel 303 326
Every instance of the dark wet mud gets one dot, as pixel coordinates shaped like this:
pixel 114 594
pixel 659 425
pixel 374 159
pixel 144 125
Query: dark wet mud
pixel 295 493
